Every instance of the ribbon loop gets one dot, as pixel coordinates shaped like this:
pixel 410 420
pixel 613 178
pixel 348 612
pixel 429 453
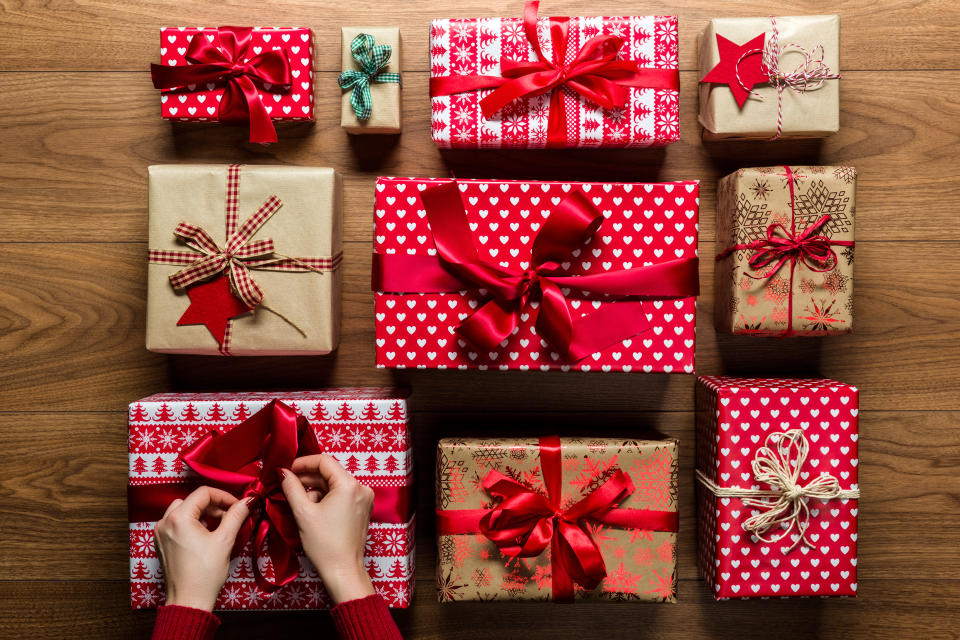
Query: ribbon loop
pixel 371 59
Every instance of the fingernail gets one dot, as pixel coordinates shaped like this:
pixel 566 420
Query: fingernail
pixel 249 501
pixel 283 474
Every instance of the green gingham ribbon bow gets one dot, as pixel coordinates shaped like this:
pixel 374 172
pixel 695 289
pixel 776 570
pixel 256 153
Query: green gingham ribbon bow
pixel 371 58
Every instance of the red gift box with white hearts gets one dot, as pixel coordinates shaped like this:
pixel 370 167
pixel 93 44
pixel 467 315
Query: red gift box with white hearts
pixel 770 453
pixel 364 429
pixel 644 226
pixel 200 103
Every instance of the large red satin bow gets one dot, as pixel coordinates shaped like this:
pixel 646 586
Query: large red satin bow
pixel 246 462
pixel 226 58
pixel 525 522
pixel 595 73
pixel 573 220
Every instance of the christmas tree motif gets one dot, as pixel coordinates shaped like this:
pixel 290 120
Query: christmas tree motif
pixel 140 572
pixel 159 466
pixel 164 414
pixel 139 466
pixel 372 466
pixel 351 464
pixel 215 413
pixel 397 412
pixel 189 414
pixel 178 465
pixel 373 570
pixel 319 413
pixel 397 569
pixel 139 414
pixel 370 412
pixel 390 465
pixel 241 413
pixel 244 570
pixel 345 412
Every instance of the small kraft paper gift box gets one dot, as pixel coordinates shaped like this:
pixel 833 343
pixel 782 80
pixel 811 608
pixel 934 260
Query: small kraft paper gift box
pixel 786 242
pixel 559 519
pixel 777 490
pixel 770 78
pixel 370 80
pixel 179 441
pixel 554 82
pixel 244 260
pixel 489 274
pixel 247 76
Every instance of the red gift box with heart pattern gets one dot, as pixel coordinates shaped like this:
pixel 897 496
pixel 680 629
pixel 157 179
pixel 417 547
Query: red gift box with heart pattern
pixel 200 103
pixel 642 225
pixel 770 452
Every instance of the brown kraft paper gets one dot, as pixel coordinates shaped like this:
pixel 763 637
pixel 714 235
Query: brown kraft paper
pixel 385 116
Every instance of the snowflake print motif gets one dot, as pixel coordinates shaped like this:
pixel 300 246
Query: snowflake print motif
pixel 779 315
pixel 335 437
pixel 147 595
pixel 374 541
pixel 796 175
pixel 664 32
pixel 616 28
pixel 513 33
pixel 543 577
pixel 462 33
pixel 400 437
pixel 141 543
pixel 847 255
pixel 481 577
pixel 643 556
pixel 652 476
pixel 316 598
pixel 145 438
pixel 848 306
pixel 489 454
pixel 617 134
pixel 777 290
pixel 807 285
pixel 394 542
pixel 294 596
pixel 512 126
pixel 399 595
pixel 168 439
pixel 447 550
pixel 751 326
pixel 450 481
pixel 835 282
pixel 253 596
pixel 188 436
pixel 665 551
pixel 514 583
pixel 447 588
pixel 750 220
pixel 357 437
pixel 816 169
pixel 231 597
pixel 818 201
pixel 760 188
pixel 463 116
pixel 615 115
pixel 822 316
pixel 664 585
pixel 621 580
pixel 848 175
pixel 378 437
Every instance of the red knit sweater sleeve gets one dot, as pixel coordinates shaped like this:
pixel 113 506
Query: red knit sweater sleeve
pixel 365 619
pixel 183 623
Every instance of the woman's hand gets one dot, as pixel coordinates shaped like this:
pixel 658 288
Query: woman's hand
pixel 333 523
pixel 195 559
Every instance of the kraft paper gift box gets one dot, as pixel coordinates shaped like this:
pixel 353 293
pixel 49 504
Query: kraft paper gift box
pixel 786 242
pixel 777 490
pixel 365 430
pixel 619 503
pixel 250 76
pixel 470 58
pixel 299 277
pixel 810 113
pixel 385 90
pixel 636 245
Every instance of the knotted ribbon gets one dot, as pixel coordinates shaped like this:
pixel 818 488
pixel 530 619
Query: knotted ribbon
pixel 779 464
pixel 371 59
pixel 525 522
pixel 781 246
pixel 225 58
pixel 457 265
pixel 594 73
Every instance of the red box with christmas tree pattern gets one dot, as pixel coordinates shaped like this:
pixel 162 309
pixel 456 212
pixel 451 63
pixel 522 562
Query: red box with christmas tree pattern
pixel 364 429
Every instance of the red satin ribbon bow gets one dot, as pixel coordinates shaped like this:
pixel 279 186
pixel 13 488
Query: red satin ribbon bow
pixel 569 225
pixel 226 58
pixel 246 462
pixel 781 246
pixel 595 73
pixel 525 522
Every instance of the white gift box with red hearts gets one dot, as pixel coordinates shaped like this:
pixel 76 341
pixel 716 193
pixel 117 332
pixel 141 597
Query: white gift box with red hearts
pixel 735 418
pixel 643 224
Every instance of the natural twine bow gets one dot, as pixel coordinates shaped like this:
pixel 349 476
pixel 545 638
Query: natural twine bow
pixel 779 463
pixel 371 59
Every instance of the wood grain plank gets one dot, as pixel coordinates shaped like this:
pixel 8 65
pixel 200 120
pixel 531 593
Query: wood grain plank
pixel 62 137
pixel 117 35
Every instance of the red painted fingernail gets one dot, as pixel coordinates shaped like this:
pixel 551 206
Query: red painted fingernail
pixel 249 501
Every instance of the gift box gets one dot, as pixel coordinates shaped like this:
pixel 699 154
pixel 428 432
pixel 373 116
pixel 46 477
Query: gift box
pixel 244 260
pixel 543 275
pixel 370 59
pixel 785 266
pixel 554 82
pixel 364 429
pixel 248 76
pixel 777 492
pixel 557 519
pixel 768 78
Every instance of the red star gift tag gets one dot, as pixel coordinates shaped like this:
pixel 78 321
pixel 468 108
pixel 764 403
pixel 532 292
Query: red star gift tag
pixel 749 56
pixel 212 304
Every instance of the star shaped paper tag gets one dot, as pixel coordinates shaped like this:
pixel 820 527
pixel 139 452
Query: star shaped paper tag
pixel 749 56
pixel 212 304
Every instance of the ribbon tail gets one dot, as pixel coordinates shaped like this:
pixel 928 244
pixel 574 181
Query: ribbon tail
pixel 491 324
pixel 241 105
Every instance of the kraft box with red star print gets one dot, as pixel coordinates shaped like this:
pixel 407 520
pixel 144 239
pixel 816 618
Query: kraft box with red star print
pixel 785 243
pixel 365 430
pixel 496 274
pixel 561 519
pixel 777 487
pixel 529 82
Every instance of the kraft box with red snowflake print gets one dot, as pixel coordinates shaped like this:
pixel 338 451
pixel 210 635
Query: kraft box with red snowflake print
pixel 559 519
pixel 554 82
pixel 488 274
pixel 786 242
pixel 175 439
pixel 777 487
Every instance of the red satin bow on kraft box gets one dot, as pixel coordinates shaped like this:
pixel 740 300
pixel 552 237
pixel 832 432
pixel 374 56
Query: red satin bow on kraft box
pixel 525 523
pixel 227 74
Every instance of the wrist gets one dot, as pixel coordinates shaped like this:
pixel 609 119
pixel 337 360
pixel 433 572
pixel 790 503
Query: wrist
pixel 349 582
pixel 191 600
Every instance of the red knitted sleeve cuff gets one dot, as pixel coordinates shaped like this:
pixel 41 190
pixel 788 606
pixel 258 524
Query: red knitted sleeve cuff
pixel 184 623
pixel 365 619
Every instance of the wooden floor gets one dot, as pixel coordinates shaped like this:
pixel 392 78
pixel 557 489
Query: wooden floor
pixel 79 123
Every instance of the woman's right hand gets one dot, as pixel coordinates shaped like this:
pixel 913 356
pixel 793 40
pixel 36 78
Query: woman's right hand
pixel 333 520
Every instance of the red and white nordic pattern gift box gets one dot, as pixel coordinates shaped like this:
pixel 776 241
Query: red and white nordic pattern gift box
pixel 200 103
pixel 735 416
pixel 477 46
pixel 364 429
pixel 643 224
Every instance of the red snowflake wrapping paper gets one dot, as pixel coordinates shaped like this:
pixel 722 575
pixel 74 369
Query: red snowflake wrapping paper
pixel 478 46
pixel 640 563
pixel 201 103
pixel 643 224
pixel 364 429
pixel 735 416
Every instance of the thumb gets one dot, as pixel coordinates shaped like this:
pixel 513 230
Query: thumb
pixel 295 493
pixel 234 518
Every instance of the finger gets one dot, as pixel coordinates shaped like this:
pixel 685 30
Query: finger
pixel 294 491
pixel 314 481
pixel 233 519
pixel 202 498
pixel 325 466
pixel 314 496
pixel 173 505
